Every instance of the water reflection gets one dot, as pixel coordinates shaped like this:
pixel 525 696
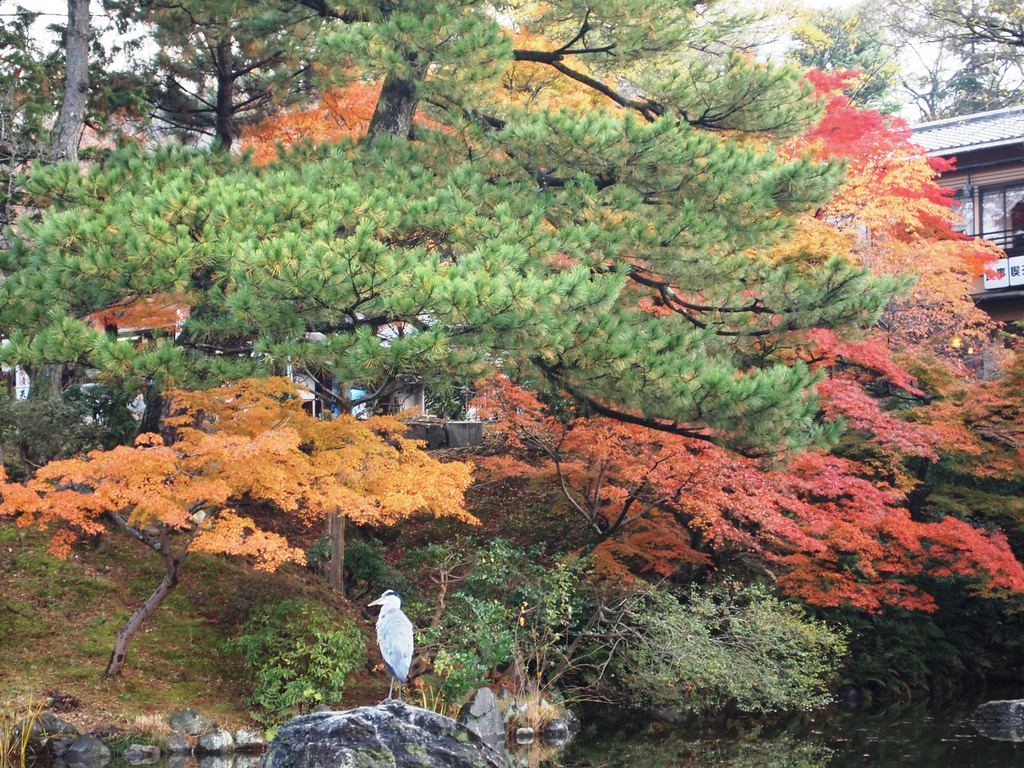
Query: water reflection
pixel 909 736
pixel 171 761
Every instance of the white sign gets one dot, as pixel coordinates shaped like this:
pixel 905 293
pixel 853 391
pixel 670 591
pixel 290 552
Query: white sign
pixel 1015 270
pixel 997 274
pixel 21 383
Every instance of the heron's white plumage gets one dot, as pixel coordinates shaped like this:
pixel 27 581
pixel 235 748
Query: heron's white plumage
pixel 394 636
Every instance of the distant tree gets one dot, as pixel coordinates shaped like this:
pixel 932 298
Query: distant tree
pixel 244 444
pixel 851 40
pixel 218 65
pixel 968 54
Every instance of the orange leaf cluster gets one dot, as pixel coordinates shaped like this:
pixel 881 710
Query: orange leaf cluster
pixel 249 442
pixel 903 220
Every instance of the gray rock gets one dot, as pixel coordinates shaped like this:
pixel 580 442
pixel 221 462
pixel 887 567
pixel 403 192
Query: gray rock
pixel 524 735
pixel 481 715
pixel 512 711
pixel 1001 720
pixel 47 724
pixel 246 760
pixel 190 722
pixel 59 747
pixel 141 754
pixel 216 741
pixel 177 744
pixel 89 751
pixel 249 741
pixel 572 722
pixel 391 734
pixel 321 708
pixel 556 733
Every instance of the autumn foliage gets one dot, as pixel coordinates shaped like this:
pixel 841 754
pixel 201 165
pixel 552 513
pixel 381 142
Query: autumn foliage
pixel 898 219
pixel 657 506
pixel 249 445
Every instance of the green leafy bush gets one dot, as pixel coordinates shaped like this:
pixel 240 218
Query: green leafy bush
pixel 300 655
pixel 734 645
pixel 512 610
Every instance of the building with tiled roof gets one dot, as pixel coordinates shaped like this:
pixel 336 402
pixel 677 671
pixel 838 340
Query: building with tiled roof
pixel 988 148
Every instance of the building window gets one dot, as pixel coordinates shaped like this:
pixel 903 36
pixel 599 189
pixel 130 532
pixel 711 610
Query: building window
pixel 1002 216
pixel 963 205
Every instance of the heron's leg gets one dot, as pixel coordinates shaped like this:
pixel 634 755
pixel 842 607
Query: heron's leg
pixel 392 687
pixel 399 690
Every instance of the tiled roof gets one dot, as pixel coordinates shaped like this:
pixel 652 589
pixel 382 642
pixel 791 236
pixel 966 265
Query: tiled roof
pixel 984 129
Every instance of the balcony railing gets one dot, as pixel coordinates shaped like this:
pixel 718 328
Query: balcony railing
pixel 1009 271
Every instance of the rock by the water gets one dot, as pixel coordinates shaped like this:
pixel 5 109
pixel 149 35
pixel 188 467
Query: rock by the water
pixel 88 750
pixel 48 724
pixel 178 745
pixel 216 741
pixel 391 734
pixel 141 754
pixel 1001 720
pixel 524 735
pixel 481 715
pixel 248 741
pixel 60 746
pixel 244 760
pixel 556 733
pixel 190 722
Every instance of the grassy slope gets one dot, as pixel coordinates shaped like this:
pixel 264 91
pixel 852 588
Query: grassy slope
pixel 58 619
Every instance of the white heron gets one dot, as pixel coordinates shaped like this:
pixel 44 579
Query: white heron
pixel 394 636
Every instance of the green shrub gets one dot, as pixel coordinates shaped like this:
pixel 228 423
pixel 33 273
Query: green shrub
pixel 733 645
pixel 299 655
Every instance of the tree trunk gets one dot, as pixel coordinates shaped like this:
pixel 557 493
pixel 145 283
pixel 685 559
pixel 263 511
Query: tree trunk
pixel 68 131
pixel 224 127
pixel 153 413
pixel 336 574
pixel 396 107
pixel 173 566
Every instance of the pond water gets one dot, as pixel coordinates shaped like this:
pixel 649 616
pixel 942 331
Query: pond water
pixel 908 736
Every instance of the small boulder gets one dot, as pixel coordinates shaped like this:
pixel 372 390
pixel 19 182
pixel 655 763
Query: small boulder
pixel 524 735
pixel 190 722
pixel 1001 720
pixel 216 741
pixel 87 750
pixel 177 744
pixel 392 734
pixel 556 733
pixel 248 741
pixel 60 746
pixel 48 724
pixel 141 754
pixel 481 715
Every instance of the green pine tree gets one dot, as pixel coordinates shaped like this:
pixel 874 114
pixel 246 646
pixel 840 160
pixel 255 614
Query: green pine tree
pixel 617 256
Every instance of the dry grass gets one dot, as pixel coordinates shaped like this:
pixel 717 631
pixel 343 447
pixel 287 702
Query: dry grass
pixel 15 733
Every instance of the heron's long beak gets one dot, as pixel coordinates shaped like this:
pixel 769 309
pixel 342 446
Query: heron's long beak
pixel 378 601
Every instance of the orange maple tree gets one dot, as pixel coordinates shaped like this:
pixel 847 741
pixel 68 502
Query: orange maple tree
pixel 248 443
pixel 897 220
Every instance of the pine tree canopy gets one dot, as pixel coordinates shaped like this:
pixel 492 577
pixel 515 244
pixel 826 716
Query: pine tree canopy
pixel 616 253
